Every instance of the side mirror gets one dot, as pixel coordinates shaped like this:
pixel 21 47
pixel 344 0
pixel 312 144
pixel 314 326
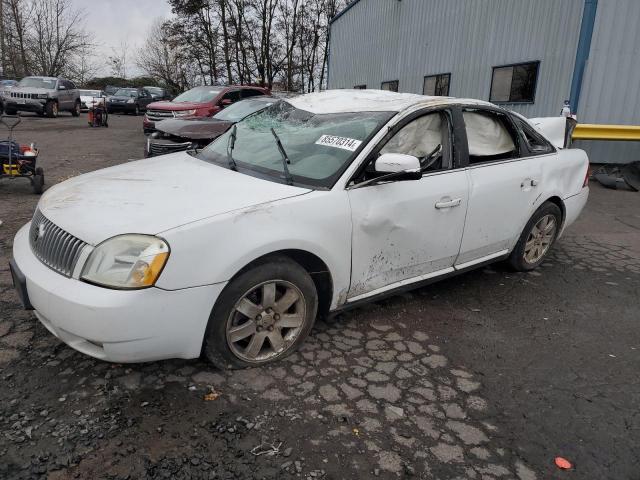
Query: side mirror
pixel 397 163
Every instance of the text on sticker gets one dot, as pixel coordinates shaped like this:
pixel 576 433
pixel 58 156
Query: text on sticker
pixel 344 143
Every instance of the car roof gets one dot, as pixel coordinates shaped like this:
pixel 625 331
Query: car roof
pixel 355 100
pixel 44 78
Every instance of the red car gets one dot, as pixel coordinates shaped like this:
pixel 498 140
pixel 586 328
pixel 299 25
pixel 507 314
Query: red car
pixel 198 102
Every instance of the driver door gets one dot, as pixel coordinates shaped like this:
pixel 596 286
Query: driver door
pixel 410 230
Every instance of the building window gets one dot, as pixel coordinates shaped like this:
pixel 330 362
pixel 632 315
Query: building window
pixel 392 86
pixel 360 87
pixel 437 85
pixel 514 83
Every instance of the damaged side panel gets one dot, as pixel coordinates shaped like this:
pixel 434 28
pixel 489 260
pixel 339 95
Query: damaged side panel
pixel 400 233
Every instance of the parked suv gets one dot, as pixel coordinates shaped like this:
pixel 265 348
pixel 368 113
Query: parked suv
pixel 129 100
pixel 43 95
pixel 198 102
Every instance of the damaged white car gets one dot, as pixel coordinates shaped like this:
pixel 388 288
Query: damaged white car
pixel 310 206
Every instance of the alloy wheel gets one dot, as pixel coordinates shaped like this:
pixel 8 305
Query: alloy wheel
pixel 540 238
pixel 266 321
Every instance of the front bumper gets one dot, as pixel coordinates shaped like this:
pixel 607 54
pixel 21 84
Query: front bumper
pixel 25 104
pixel 121 107
pixel 115 325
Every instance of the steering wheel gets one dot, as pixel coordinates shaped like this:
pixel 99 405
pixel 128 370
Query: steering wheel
pixel 429 159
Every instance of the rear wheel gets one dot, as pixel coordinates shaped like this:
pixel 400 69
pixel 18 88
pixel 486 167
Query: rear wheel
pixel 136 112
pixel 76 110
pixel 51 109
pixel 263 315
pixel 537 238
pixel 10 111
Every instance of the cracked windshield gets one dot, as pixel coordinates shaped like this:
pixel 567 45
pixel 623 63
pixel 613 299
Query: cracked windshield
pixel 318 146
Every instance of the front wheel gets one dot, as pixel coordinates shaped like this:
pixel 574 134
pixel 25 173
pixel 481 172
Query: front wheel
pixel 51 109
pixel 537 238
pixel 136 112
pixel 262 315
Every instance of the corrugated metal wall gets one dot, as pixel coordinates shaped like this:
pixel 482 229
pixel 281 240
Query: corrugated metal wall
pixel 380 40
pixel 611 85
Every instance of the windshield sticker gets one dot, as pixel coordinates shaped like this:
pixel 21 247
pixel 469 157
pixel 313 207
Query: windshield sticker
pixel 344 143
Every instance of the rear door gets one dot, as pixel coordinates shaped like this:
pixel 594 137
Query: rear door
pixel 504 185
pixel 407 231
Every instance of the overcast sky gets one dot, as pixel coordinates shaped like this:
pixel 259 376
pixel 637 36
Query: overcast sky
pixel 111 21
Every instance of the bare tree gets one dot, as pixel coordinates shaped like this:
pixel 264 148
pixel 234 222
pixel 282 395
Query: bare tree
pixel 160 59
pixel 56 36
pixel 118 59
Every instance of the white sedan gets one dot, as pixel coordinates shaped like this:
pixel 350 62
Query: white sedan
pixel 91 98
pixel 314 204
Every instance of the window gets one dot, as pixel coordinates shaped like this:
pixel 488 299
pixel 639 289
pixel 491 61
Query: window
pixel 392 86
pixel 233 96
pixel 437 85
pixel 489 137
pixel 514 83
pixel 425 138
pixel 250 92
pixel 536 143
pixel 360 87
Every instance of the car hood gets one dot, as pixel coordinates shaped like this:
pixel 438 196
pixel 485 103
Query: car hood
pixel 196 129
pixel 120 98
pixel 153 195
pixel 175 106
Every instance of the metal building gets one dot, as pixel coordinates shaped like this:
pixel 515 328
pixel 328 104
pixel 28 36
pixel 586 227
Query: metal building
pixel 528 55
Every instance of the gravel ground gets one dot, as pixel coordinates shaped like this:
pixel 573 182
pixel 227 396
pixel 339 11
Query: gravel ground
pixel 489 375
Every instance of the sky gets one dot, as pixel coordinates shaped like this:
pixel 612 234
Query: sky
pixel 112 21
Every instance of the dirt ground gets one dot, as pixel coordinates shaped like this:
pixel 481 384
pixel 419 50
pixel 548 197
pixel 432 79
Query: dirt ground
pixel 490 375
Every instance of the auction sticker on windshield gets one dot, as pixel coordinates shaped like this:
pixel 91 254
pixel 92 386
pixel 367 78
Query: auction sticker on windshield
pixel 344 143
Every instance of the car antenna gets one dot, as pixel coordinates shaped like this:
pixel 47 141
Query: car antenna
pixel 230 147
pixel 285 159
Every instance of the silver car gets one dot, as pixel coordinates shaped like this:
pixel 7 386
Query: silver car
pixel 43 95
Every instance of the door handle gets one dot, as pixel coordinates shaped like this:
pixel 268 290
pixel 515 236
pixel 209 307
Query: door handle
pixel 529 182
pixel 449 203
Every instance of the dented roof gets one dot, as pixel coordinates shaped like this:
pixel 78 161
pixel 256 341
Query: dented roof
pixel 354 100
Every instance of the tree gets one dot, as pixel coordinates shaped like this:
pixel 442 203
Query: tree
pixel 118 59
pixel 56 36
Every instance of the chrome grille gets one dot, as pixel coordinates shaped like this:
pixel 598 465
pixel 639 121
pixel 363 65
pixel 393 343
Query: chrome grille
pixel 157 115
pixel 24 95
pixel 53 246
pixel 164 148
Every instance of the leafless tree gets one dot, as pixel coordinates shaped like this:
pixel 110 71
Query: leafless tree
pixel 56 36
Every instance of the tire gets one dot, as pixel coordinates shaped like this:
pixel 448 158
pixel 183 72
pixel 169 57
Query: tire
pixel 38 181
pixel 51 109
pixel 247 291
pixel 136 112
pixel 10 111
pixel 537 238
pixel 76 110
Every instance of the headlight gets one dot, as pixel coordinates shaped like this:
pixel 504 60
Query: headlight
pixel 127 262
pixel 185 113
pixel 43 95
pixel 131 100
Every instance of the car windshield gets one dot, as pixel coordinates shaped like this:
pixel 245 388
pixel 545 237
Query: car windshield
pixel 319 146
pixel 240 110
pixel 154 90
pixel 198 95
pixel 90 93
pixel 33 82
pixel 126 92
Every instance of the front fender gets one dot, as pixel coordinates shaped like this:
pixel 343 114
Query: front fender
pixel 213 250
